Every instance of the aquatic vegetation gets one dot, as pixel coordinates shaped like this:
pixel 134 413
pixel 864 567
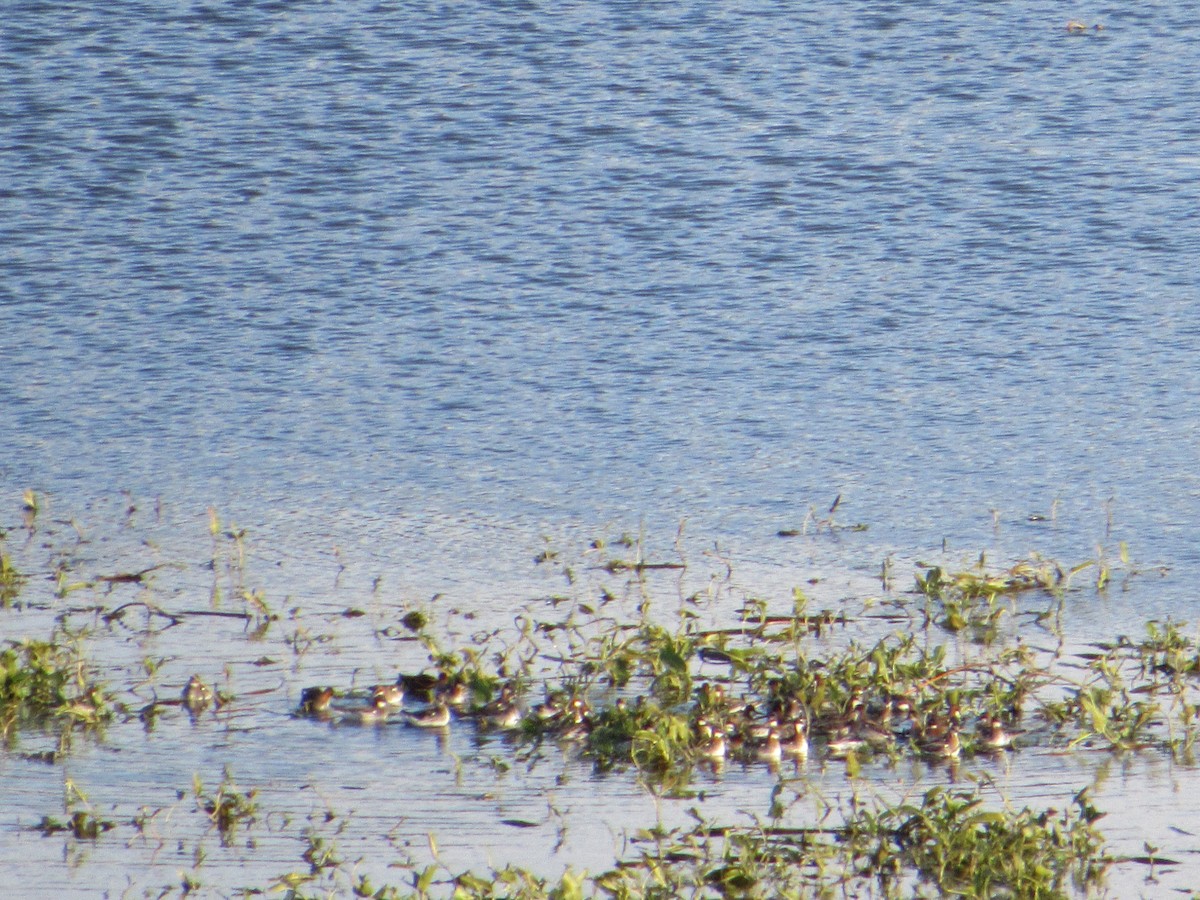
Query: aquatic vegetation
pixel 227 807
pixel 958 846
pixel 651 679
pixel 519 884
pixel 1026 575
pixel 947 842
pixel 44 681
pixel 10 580
pixel 661 699
pixel 815 521
pixel 320 854
pixel 83 825
pixel 974 599
pixel 258 611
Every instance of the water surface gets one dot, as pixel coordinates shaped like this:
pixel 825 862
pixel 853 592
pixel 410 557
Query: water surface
pixel 402 288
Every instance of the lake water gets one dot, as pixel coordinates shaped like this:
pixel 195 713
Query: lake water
pixel 405 288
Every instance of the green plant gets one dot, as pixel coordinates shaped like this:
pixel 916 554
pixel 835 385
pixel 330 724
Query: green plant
pixel 10 580
pixel 960 847
pixel 44 680
pixel 227 807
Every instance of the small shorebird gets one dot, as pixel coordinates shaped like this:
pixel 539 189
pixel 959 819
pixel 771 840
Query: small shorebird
pixel 946 746
pixel 575 728
pixel 710 697
pixel 505 717
pixel 374 714
pixel 565 717
pixel 936 724
pixel 197 695
pixel 392 694
pixel 993 735
pixel 420 685
pixel 759 731
pixel 575 723
pixel 314 701
pixel 797 744
pixel 502 712
pixel 554 706
pixel 844 744
pixel 451 693
pixel 852 732
pixel 713 747
pixel 443 688
pixel 770 749
pixel 734 739
pixel 836 724
pixel 436 716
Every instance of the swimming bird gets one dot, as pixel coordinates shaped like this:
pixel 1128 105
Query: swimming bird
pixel 435 716
pixel 735 740
pixel 946 746
pixel 797 743
pixel 844 744
pixel 576 727
pixel 993 735
pixel 769 749
pixel 197 695
pixel 314 701
pixel 554 706
pixel 575 722
pixel 759 731
pixel 835 723
pixel 451 693
pixel 853 731
pixel 714 747
pixel 373 714
pixel 504 717
pixel 420 685
pixel 710 697
pixel 392 694
pixel 502 712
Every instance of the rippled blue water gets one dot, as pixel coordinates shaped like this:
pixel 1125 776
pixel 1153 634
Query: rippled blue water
pixel 586 260
pixel 346 270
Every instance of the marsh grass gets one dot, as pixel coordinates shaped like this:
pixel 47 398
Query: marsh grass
pixel 227 807
pixel 957 845
pixel 11 580
pixel 81 822
pixel 944 842
pixel 49 682
pixel 82 825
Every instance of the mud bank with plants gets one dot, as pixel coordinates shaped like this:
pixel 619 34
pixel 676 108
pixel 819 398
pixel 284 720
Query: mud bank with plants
pixel 647 726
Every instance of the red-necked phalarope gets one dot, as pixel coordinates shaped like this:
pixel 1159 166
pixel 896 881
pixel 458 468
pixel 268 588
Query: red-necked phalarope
pixel 374 714
pixel 436 716
pixel 392 694
pixel 993 735
pixel 314 701
pixel 197 695
pixel 502 712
